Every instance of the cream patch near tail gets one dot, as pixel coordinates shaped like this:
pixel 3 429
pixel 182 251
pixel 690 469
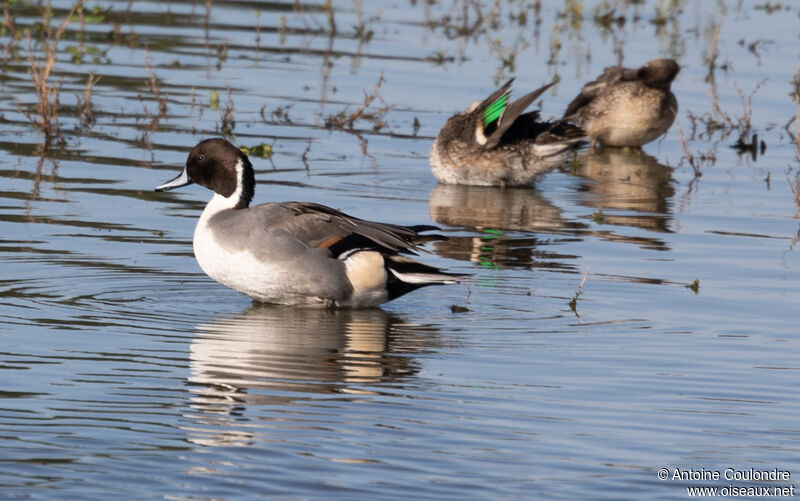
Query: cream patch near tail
pixel 367 274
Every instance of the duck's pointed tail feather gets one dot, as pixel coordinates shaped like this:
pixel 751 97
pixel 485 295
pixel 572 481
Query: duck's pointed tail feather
pixel 405 274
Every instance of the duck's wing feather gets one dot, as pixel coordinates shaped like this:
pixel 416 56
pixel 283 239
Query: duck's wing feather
pixel 319 226
pixel 488 113
pixel 511 113
pixel 610 77
pixel 528 127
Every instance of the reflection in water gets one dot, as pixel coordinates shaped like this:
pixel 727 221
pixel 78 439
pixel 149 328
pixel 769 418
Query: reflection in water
pixel 616 180
pixel 480 207
pixel 628 180
pixel 492 212
pixel 272 355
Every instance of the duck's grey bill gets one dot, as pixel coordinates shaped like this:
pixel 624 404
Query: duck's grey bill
pixel 181 180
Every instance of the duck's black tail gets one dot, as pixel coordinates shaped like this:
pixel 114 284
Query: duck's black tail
pixel 405 275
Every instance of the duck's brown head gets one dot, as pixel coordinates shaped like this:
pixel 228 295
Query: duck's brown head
pixel 659 72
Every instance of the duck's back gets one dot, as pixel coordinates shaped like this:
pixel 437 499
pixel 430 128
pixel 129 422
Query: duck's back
pixel 626 106
pixel 629 114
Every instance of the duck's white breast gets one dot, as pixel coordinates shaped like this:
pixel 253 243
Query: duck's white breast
pixel 240 268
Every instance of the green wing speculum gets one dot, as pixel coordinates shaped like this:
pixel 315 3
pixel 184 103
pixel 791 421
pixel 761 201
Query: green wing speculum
pixel 495 110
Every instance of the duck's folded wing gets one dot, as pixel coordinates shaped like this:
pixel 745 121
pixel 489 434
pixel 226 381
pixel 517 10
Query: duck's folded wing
pixel 323 227
pixel 611 76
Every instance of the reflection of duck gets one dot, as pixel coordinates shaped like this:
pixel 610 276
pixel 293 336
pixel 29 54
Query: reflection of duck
pixel 272 355
pixel 628 180
pixel 493 212
pixel 481 207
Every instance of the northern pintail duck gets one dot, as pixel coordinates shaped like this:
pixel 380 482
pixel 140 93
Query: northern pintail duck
pixel 296 253
pixel 625 106
pixel 493 143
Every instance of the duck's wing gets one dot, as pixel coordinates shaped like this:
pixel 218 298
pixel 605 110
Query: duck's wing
pixel 369 250
pixel 483 116
pixel 319 226
pixel 610 77
pixel 498 115
pixel 528 127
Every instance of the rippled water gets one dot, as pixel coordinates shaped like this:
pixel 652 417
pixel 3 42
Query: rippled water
pixel 126 372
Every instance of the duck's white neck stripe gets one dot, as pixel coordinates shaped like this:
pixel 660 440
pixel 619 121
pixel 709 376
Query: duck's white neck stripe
pixel 219 203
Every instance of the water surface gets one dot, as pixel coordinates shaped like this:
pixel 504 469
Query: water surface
pixel 128 373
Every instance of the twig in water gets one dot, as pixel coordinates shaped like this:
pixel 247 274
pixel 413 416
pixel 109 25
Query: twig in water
pixel 795 95
pixel 573 303
pixel 161 99
pixel 153 83
pixel 85 111
pixel 227 117
pixel 795 187
pixel 47 93
pixel 747 105
pixel 687 152
pixel 304 156
pixel 279 114
pixel 344 120
pixel 258 35
pixel 329 11
pixel 43 152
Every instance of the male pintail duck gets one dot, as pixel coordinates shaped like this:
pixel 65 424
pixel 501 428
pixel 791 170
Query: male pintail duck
pixel 492 143
pixel 627 107
pixel 296 253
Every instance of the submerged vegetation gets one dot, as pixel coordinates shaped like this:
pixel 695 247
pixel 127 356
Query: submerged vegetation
pixel 465 23
pixel 347 119
pixel 56 60
pixel 44 114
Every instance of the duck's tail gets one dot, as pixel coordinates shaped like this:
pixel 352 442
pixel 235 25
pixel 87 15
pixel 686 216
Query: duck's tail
pixel 377 277
pixel 405 274
pixel 560 137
